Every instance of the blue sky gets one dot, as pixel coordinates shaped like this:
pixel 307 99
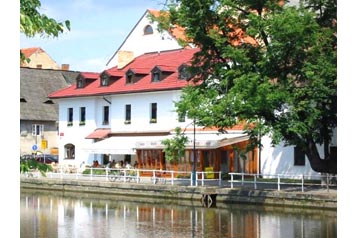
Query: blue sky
pixel 98 28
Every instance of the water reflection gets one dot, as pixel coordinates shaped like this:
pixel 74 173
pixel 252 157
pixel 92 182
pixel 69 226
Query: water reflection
pixel 82 215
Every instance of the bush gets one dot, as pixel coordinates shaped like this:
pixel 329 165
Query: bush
pixel 94 171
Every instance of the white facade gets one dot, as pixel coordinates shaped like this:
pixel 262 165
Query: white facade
pixel 140 119
pixel 139 43
pixel 279 159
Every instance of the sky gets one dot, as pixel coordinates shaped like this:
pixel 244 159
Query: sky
pixel 98 28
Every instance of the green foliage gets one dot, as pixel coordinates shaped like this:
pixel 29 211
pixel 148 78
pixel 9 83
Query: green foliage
pixel 284 80
pixel 175 147
pixel 94 171
pixel 33 23
pixel 32 164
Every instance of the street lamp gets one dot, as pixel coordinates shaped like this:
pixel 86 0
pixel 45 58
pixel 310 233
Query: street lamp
pixel 193 174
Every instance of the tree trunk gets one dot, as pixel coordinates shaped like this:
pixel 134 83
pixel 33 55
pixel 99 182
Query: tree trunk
pixel 326 165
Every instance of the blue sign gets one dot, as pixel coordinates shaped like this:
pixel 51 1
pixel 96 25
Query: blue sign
pixel 34 147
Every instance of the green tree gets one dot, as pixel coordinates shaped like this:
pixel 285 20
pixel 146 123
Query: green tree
pixel 33 23
pixel 32 164
pixel 175 147
pixel 268 64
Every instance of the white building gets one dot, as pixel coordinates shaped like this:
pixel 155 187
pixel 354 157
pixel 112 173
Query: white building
pixel 126 111
pixel 145 37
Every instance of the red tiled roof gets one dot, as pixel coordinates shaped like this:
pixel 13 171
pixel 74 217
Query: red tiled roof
pixel 29 51
pixel 142 64
pixel 89 75
pixel 99 133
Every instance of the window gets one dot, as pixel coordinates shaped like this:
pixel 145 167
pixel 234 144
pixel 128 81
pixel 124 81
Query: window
pixel 80 83
pixel 184 72
pixel 156 74
pixel 153 113
pixel 69 151
pixel 148 30
pixel 82 116
pixel 129 78
pixel 69 116
pixel 104 80
pixel 299 157
pixel 105 115
pixel 37 130
pixel 128 114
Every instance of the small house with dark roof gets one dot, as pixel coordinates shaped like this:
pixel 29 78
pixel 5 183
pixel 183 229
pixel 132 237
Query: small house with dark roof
pixel 38 113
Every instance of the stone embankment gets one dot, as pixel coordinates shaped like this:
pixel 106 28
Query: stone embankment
pixel 319 198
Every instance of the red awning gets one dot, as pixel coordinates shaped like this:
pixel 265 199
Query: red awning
pixel 99 133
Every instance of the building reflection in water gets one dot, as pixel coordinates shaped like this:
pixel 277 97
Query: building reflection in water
pixel 59 216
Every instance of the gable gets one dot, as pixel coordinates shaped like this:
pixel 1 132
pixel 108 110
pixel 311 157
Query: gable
pixel 138 42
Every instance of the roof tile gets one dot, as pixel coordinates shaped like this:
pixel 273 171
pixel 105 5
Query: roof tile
pixel 142 64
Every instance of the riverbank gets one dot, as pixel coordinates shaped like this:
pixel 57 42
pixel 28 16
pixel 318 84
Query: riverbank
pixel 208 195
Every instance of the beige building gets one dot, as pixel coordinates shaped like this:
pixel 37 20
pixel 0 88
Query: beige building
pixel 38 58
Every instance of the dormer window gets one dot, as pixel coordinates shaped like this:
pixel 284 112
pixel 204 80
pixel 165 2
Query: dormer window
pixel 104 80
pixel 129 77
pixel 80 83
pixel 184 72
pixel 156 74
pixel 148 30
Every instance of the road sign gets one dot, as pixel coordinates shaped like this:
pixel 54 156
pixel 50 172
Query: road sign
pixel 44 144
pixel 34 147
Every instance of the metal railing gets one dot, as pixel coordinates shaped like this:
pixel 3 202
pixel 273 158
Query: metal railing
pixel 169 177
pixel 135 175
pixel 287 181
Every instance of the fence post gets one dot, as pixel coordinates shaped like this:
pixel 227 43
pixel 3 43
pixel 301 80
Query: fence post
pixel 255 185
pixel 231 181
pixel 91 173
pixel 220 178
pixel 202 178
pixel 196 179
pixel 137 176
pixel 172 176
pixel 154 176
pixel 107 173
pixel 278 183
pixel 303 182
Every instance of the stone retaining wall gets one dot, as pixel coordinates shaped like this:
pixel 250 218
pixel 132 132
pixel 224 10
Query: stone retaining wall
pixel 223 195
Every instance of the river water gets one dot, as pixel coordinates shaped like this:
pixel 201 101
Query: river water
pixel 56 214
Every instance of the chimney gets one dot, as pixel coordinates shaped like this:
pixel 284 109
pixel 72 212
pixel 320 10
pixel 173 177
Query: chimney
pixel 65 67
pixel 124 57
